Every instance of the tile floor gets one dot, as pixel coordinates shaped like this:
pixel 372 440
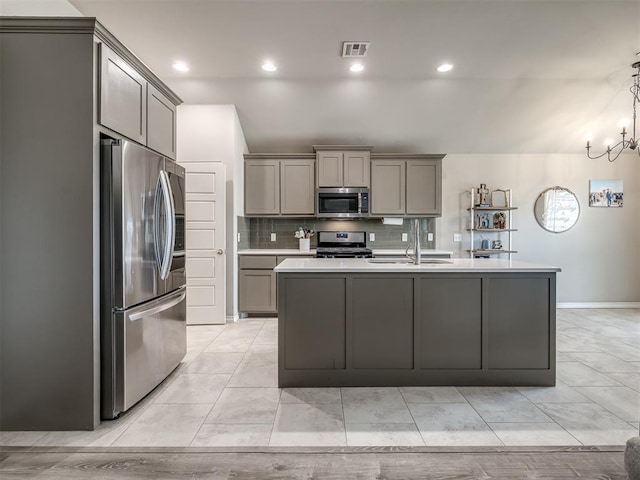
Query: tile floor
pixel 225 394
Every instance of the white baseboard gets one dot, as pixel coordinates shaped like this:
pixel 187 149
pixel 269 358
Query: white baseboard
pixel 598 305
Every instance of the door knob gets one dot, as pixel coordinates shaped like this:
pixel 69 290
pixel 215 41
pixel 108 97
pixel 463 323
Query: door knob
pixel 220 251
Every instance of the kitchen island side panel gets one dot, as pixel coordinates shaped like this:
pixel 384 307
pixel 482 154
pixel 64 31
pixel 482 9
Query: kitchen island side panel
pixel 49 311
pixel 461 320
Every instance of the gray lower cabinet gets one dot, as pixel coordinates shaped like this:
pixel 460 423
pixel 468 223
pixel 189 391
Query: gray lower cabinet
pixel 356 329
pixel 406 185
pixel 517 338
pixel 382 323
pixel 316 340
pixel 257 286
pixel 450 323
pixel 279 186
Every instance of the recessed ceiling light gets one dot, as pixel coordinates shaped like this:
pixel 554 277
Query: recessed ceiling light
pixel 269 67
pixel 445 67
pixel 356 67
pixel 181 66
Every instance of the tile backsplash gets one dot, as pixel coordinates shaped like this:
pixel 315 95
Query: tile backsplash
pixel 256 232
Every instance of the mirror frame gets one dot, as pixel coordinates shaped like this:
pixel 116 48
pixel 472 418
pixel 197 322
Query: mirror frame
pixel 541 195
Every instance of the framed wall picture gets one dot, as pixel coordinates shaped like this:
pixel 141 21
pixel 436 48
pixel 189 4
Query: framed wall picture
pixel 605 193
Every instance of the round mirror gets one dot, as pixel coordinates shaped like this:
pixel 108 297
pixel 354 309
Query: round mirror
pixel 557 209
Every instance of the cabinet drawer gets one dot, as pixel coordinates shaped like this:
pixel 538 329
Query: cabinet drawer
pixel 262 262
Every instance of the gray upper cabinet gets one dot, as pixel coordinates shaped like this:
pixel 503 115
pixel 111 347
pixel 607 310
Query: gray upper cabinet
pixel 330 172
pixel 161 123
pixel 337 167
pixel 406 185
pixel 279 186
pixel 356 169
pixel 297 187
pixel 262 187
pixel 123 97
pixel 424 185
pixel 388 186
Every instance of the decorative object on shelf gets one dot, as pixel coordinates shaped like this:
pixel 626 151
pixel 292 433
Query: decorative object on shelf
pixel 499 199
pixel 496 245
pixel 483 221
pixel 605 193
pixel 623 144
pixel 483 196
pixel 499 221
pixel 304 238
pixel 484 244
pixel 556 209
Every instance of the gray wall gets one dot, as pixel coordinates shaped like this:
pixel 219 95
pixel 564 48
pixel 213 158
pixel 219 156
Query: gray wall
pixel 387 236
pixel 48 315
pixel 599 257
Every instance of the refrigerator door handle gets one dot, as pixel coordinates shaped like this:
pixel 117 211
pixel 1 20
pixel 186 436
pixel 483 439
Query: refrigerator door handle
pixel 171 222
pixel 163 196
pixel 158 308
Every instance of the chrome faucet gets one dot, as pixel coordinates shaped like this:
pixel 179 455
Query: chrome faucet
pixel 416 257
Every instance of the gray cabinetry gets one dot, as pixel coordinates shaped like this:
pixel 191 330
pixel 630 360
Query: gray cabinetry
pixel 424 184
pixel 161 123
pixel 276 186
pixel 416 328
pixel 133 107
pixel 388 187
pixel 517 339
pixel 382 323
pixel 123 97
pixel 257 284
pixel 450 322
pixel 341 166
pixel 297 187
pixel 316 339
pixel 65 82
pixel 406 185
pixel 262 187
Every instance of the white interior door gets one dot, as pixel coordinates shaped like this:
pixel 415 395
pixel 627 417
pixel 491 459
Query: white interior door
pixel 206 249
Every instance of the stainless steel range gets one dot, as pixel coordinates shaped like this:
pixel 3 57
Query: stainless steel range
pixel 342 245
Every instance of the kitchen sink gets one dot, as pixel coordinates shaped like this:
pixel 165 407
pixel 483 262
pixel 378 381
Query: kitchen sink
pixel 408 261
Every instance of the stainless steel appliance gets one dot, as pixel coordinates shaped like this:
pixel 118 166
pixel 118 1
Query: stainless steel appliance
pixel 342 245
pixel 342 202
pixel 143 284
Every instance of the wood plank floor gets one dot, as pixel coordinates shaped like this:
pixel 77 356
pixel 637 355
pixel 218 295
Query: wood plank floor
pixel 329 463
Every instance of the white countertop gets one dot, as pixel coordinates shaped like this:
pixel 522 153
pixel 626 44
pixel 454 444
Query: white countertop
pixel 276 251
pixel 360 265
pixel 295 251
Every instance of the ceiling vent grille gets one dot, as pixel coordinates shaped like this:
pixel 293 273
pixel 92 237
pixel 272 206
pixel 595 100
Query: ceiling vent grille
pixel 355 49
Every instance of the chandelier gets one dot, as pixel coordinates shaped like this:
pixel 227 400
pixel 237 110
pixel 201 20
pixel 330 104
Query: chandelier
pixel 614 151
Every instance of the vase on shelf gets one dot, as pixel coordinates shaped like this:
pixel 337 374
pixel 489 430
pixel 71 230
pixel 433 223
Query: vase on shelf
pixel 305 244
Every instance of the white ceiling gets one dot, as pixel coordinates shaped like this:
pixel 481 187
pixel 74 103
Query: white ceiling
pixel 529 77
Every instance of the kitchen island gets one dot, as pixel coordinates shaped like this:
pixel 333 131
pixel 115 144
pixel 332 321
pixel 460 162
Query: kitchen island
pixel 380 322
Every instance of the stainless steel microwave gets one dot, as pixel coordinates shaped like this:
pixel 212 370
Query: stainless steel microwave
pixel 342 202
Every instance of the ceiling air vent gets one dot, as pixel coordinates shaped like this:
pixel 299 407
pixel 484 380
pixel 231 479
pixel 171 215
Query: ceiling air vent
pixel 355 49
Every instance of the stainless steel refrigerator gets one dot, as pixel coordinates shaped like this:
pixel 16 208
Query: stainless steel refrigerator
pixel 143 284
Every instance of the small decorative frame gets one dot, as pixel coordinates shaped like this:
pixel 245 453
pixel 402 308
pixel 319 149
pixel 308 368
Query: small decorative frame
pixel 499 199
pixel 605 193
pixel 499 221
